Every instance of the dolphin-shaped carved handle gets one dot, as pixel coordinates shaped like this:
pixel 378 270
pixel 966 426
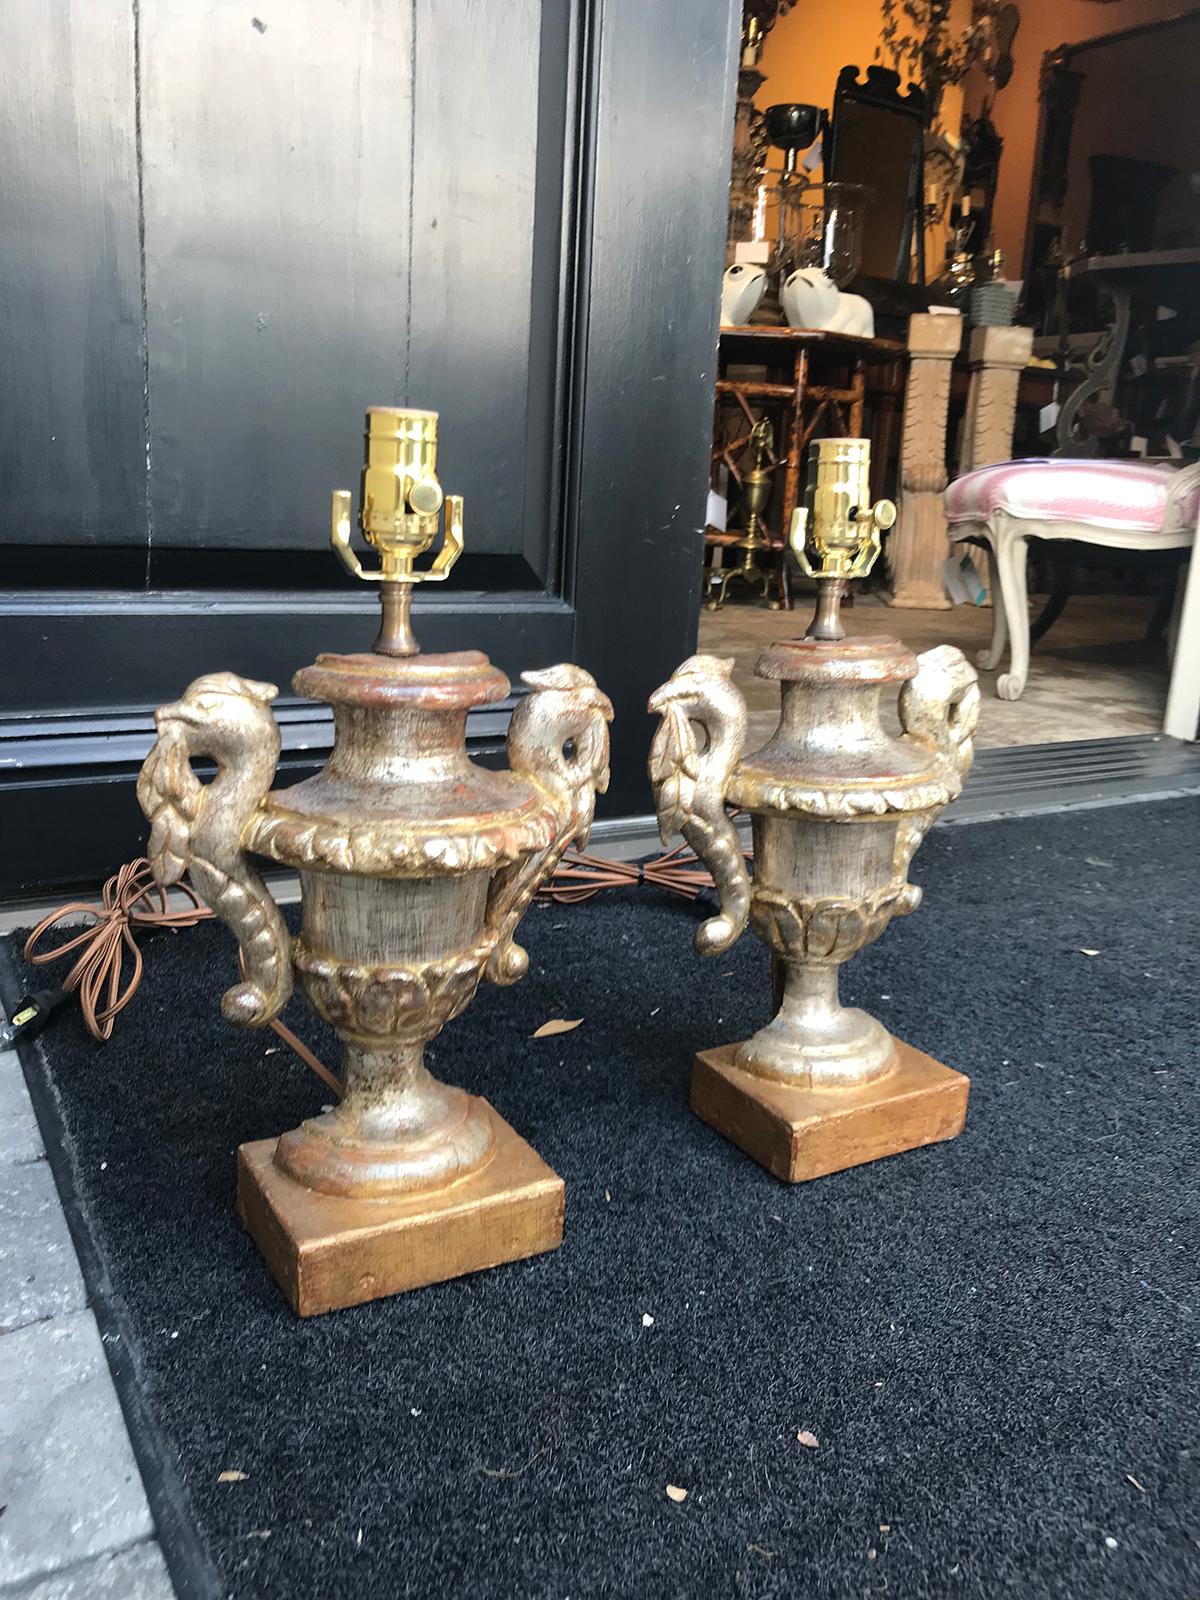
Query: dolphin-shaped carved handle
pixel 689 784
pixel 198 828
pixel 939 708
pixel 557 741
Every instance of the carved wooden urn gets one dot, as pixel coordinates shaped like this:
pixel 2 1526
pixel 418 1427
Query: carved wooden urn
pixel 838 806
pixel 416 866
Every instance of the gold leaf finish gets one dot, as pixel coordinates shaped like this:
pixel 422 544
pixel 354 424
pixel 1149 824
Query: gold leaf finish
pixel 690 783
pixel 838 808
pixel 198 828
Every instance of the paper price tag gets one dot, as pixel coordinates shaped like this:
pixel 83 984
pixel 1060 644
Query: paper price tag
pixel 752 252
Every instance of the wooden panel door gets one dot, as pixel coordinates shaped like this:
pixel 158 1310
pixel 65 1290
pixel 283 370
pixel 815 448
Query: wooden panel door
pixel 234 233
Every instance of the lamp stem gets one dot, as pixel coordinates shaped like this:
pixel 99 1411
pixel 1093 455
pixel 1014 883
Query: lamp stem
pixel 827 621
pixel 396 637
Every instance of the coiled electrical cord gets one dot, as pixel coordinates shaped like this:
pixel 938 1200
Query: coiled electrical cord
pixel 131 899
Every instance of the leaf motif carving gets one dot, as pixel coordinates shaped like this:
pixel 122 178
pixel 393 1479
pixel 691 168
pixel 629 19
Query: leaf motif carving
pixel 394 1002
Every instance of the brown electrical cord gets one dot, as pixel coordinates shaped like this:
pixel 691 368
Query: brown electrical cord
pixel 579 877
pixel 131 899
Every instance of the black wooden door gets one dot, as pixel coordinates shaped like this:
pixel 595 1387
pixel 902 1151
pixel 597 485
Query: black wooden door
pixel 226 234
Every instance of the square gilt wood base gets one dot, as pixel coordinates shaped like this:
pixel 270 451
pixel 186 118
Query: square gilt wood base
pixel 806 1133
pixel 327 1252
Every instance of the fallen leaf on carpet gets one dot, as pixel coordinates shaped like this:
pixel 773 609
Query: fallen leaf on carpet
pixel 674 1492
pixel 647 1320
pixel 555 1025
pixel 230 1475
pixel 1089 952
pixel 1139 1486
pixel 807 1439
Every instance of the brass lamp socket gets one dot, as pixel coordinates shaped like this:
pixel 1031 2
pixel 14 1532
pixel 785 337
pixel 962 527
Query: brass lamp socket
pixel 835 533
pixel 401 496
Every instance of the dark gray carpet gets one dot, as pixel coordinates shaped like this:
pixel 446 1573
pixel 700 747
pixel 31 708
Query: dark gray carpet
pixel 991 1339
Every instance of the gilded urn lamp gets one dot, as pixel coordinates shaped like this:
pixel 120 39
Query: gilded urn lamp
pixel 415 865
pixel 838 806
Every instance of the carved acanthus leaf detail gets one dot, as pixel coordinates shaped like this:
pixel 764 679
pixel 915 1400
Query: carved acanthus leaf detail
pixel 403 1002
pixel 823 928
pixel 395 850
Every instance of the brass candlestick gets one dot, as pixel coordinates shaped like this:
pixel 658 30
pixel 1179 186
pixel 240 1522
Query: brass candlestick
pixel 416 866
pixel 838 807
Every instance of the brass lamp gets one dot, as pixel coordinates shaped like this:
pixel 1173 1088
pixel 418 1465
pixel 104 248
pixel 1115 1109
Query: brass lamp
pixel 416 867
pixel 838 806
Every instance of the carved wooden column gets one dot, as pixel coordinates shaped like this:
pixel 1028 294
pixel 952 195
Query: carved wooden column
pixel 998 358
pixel 918 544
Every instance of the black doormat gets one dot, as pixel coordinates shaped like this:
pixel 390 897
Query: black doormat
pixel 993 1341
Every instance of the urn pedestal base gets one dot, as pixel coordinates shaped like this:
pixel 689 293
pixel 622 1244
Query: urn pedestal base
pixel 799 1134
pixel 326 1251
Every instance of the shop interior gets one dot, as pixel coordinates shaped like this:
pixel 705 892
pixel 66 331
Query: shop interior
pixel 969 232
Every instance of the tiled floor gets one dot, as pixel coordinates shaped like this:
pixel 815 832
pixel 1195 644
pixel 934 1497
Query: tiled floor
pixel 1094 676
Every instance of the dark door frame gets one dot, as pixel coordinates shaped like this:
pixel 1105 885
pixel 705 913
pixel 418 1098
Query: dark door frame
pixel 649 127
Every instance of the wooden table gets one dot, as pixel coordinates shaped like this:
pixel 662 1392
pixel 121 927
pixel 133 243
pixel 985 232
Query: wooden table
pixel 812 380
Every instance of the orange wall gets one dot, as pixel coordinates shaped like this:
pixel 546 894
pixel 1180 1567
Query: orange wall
pixel 807 48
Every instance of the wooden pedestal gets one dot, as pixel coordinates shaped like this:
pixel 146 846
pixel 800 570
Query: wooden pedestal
pixel 327 1252
pixel 805 1133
